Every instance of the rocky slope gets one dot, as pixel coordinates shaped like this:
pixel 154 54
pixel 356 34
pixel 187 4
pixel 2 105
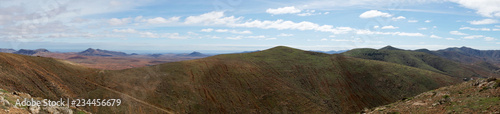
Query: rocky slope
pixel 8 105
pixel 475 96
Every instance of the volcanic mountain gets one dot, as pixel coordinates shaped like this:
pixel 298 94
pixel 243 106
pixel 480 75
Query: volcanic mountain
pixel 7 50
pixel 427 61
pixel 277 80
pixel 469 55
pixel 31 52
pixel 99 52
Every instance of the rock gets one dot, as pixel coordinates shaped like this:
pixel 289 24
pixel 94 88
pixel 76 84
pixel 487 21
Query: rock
pixel 491 79
pixel 34 109
pixel 419 103
pixel 4 102
pixel 59 110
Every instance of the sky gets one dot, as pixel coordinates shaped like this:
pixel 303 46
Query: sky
pixel 225 26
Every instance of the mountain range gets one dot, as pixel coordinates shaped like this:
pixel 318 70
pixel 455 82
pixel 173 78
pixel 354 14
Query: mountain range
pixel 427 60
pixel 276 80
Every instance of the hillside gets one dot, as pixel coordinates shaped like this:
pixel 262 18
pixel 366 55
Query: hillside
pixel 476 96
pixel 280 79
pixel 53 79
pixel 469 55
pixel 420 59
pixel 277 80
pixel 31 52
pixel 99 52
pixel 8 102
pixel 7 50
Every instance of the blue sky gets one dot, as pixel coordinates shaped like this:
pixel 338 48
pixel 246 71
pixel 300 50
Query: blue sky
pixel 223 26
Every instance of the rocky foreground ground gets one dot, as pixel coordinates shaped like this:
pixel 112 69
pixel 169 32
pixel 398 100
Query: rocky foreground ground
pixel 475 96
pixel 8 101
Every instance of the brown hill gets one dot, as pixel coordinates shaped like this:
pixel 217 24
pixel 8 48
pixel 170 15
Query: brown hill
pixel 427 61
pixel 277 80
pixel 476 96
pixel 99 52
pixel 53 79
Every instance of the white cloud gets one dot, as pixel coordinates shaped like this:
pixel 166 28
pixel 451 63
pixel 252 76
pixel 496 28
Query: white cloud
pixel 323 39
pixel 376 27
pixel 290 25
pixel 412 21
pixel 398 18
pixel 457 33
pixel 212 18
pixel 368 32
pixel 149 35
pixel 483 22
pixel 427 21
pixel 241 32
pixel 475 29
pixel 311 12
pixel 221 30
pixel 116 21
pixel 161 20
pixel 332 36
pixel 489 39
pixel 479 36
pixel 450 38
pixel 173 36
pixel 283 10
pixel 434 36
pixel 487 8
pixel 270 38
pixel 374 13
pixel 257 37
pixel 423 28
pixel 389 27
pixel 226 30
pixel 235 38
pixel 410 34
pixel 207 30
pixel 192 33
pixel 138 18
pixel 129 30
pixel 473 37
pixel 285 35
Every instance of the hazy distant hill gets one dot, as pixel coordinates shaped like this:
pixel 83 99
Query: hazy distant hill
pixel 194 54
pixel 31 52
pixel 277 80
pixel 7 50
pixel 469 55
pixel 332 52
pixel 426 61
pixel 99 52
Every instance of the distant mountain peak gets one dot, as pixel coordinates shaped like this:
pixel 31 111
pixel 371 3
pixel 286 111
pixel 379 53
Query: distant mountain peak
pixel 99 52
pixel 283 48
pixel 30 52
pixel 389 47
pixel 195 53
pixel 7 50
